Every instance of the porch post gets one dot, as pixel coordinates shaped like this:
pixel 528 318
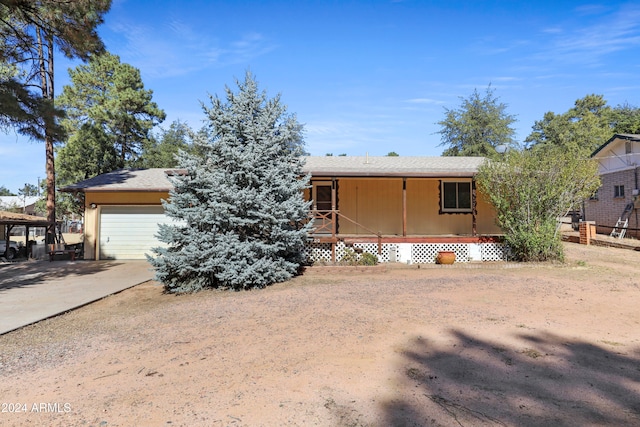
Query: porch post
pixel 26 239
pixel 334 219
pixel 474 209
pixel 7 230
pixel 333 193
pixel 404 207
pixel 333 250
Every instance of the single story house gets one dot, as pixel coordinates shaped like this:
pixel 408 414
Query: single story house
pixel 617 198
pixel 19 204
pixel 402 208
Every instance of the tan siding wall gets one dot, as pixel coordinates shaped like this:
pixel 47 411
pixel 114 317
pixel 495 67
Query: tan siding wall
pixel 373 203
pixel 423 211
pixel 115 198
pixel 486 216
pixel 424 218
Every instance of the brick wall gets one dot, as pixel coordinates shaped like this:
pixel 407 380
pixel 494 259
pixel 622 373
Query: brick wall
pixel 607 209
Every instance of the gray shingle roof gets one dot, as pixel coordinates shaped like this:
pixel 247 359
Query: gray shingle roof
pixel 393 166
pixel 157 179
pixel 126 180
pixel 22 219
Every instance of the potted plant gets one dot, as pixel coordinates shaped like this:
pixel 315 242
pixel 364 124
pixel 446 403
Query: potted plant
pixel 445 257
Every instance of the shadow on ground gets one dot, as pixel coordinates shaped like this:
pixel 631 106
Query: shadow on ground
pixel 548 380
pixel 28 273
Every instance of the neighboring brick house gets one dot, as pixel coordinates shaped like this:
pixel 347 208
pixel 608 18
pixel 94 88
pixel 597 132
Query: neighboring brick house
pixel 619 168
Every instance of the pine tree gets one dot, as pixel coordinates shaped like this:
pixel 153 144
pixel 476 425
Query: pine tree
pixel 29 33
pixel 477 127
pixel 160 151
pixel 241 219
pixel 108 112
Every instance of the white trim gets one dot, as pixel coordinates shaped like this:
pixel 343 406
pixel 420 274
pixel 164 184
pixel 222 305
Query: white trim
pixel 131 239
pixel 314 189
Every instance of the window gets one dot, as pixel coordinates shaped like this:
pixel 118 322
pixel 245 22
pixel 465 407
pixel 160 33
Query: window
pixel 618 191
pixel 595 195
pixel 455 196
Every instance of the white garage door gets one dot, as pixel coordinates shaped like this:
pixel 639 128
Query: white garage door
pixel 128 232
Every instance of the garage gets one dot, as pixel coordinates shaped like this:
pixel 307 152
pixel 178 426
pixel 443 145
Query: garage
pixel 129 232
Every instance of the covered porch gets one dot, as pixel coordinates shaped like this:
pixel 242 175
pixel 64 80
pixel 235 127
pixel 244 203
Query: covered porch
pixel 402 219
pixel 327 244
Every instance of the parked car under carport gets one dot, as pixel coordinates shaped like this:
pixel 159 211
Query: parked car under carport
pixel 12 252
pixel 9 220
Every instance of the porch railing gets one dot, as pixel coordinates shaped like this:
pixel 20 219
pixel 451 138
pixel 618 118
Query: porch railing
pixel 325 222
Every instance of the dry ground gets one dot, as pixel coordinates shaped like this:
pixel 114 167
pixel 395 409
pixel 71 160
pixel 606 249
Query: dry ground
pixel 493 345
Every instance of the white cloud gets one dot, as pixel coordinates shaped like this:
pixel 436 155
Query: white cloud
pixel 344 136
pixel 505 79
pixel 175 48
pixel 553 30
pixel 591 9
pixel 586 37
pixel 590 44
pixel 493 46
pixel 425 101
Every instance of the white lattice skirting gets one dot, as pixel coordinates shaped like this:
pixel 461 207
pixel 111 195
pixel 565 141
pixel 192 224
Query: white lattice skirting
pixel 412 253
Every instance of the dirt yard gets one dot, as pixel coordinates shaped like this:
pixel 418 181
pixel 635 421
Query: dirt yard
pixel 489 345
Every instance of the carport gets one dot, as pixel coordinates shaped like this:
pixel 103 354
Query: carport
pixel 8 220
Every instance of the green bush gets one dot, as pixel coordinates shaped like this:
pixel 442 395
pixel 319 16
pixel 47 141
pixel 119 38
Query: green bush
pixel 368 259
pixel 351 257
pixel 530 190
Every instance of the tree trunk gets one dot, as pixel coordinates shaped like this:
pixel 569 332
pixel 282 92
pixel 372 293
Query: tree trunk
pixel 45 41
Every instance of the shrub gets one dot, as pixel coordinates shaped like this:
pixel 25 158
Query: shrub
pixel 368 259
pixel 351 257
pixel 530 190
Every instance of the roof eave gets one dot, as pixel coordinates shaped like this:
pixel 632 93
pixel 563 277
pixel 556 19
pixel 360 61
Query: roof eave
pixel 115 190
pixel 626 137
pixel 449 174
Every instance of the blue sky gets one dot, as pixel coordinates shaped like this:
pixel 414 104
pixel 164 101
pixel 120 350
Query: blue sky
pixel 367 76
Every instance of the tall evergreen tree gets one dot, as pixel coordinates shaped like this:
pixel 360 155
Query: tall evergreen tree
pixel 28 190
pixel 160 151
pixel 241 219
pixel 88 153
pixel 29 33
pixel 19 107
pixel 626 119
pixel 580 130
pixel 4 191
pixel 477 127
pixel 108 112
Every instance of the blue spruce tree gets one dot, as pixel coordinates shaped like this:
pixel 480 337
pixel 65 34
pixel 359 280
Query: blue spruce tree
pixel 241 218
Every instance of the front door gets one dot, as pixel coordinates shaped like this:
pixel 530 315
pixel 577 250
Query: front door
pixel 322 205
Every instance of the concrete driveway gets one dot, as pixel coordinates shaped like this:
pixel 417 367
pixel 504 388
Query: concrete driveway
pixel 31 291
